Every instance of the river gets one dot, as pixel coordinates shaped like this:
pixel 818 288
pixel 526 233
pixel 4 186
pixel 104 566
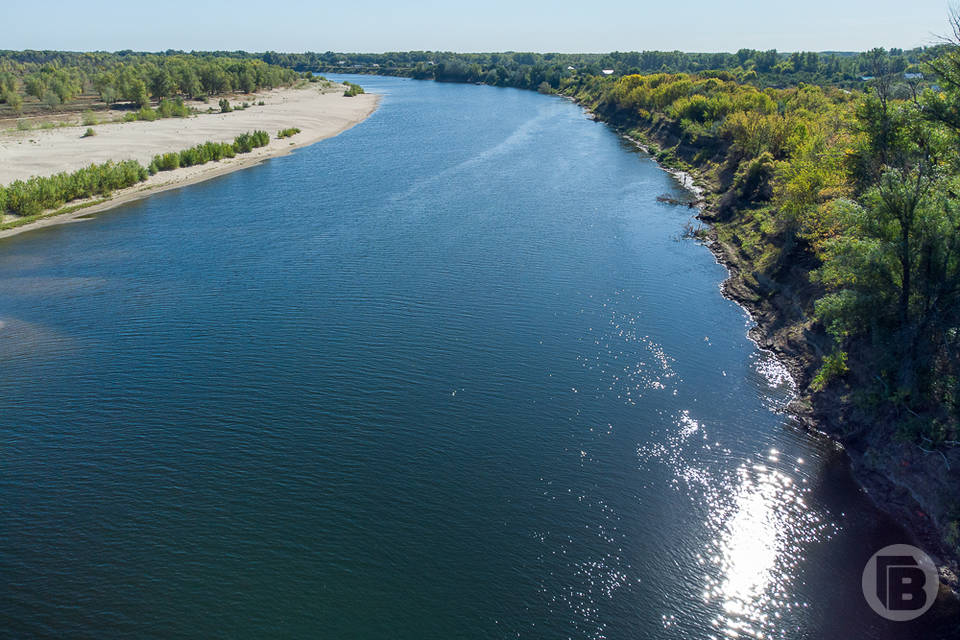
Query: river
pixel 455 373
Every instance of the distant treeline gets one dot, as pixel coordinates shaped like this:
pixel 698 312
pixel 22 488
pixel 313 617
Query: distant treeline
pixel 54 78
pixel 59 77
pixel 529 70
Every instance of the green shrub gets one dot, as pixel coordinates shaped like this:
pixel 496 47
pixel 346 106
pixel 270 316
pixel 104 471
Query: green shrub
pixel 225 106
pixel 166 162
pixel 33 196
pixel 173 108
pixel 286 133
pixel 13 99
pixel 246 142
pixel 51 99
pixel 88 118
pixel 89 133
pixel 352 90
pixel 143 113
pixel 834 365
pixel 208 152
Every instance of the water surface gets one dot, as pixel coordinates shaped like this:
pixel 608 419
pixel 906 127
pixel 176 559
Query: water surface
pixel 454 373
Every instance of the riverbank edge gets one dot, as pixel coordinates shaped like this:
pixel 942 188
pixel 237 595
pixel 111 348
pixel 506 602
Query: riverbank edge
pixel 84 209
pixel 800 356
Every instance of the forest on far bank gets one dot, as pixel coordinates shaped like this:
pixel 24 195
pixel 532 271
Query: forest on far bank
pixel 528 70
pixel 46 82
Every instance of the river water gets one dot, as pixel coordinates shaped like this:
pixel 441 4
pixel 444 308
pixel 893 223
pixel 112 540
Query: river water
pixel 454 373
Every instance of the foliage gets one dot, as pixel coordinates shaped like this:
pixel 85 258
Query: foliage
pixel 30 197
pixel 527 70
pixel 208 152
pixel 133 77
pixel 168 108
pixel 246 142
pixel 834 365
pixel 173 108
pixel 144 113
pixel 12 99
pixel 89 133
pixel 286 133
pixel 352 90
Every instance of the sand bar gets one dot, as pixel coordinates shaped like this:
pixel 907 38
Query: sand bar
pixel 48 151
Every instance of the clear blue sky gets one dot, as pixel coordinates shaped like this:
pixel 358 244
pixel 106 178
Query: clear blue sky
pixel 483 25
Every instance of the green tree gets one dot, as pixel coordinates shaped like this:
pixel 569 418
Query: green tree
pixel 13 100
pixel 35 86
pixel 162 85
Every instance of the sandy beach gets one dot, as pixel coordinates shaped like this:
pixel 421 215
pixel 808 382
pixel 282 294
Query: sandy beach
pixel 48 151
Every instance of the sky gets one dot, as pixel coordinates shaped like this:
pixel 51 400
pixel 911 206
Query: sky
pixel 483 25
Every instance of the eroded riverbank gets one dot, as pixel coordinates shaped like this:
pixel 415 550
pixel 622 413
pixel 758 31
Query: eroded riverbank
pixel 897 476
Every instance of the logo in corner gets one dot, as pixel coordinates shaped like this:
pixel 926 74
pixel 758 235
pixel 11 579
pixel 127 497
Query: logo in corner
pixel 900 582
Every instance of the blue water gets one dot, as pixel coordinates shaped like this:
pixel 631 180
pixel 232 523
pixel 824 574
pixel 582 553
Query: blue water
pixel 454 373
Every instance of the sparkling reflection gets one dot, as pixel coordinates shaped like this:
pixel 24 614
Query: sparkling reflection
pixel 631 364
pixel 759 527
pixel 752 562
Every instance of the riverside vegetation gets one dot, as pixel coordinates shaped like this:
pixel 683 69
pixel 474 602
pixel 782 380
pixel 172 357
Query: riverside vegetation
pixel 352 90
pixel 28 199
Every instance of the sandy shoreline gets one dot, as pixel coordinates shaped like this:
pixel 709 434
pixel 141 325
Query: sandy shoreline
pixel 44 152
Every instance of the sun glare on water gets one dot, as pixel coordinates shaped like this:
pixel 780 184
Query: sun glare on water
pixel 759 529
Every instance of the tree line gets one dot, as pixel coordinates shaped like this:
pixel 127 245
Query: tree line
pixel 56 78
pixel 528 70
pixel 59 77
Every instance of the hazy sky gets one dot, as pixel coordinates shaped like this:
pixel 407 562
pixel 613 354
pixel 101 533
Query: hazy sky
pixel 483 25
